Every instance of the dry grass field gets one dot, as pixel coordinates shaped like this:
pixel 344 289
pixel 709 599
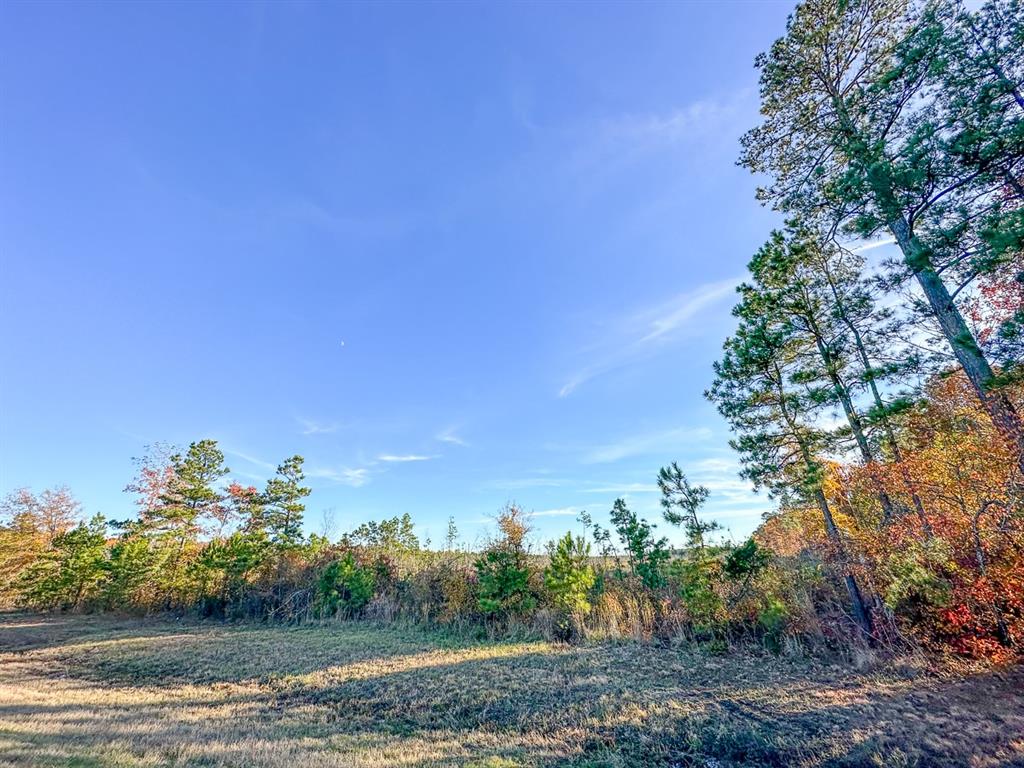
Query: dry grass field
pixel 85 692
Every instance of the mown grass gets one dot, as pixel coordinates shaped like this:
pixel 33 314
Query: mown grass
pixel 98 691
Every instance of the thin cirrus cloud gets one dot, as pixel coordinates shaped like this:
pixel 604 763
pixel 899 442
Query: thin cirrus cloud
pixel 449 435
pixel 646 332
pixel 623 138
pixel 354 477
pixel 251 460
pixel 526 482
pixel 676 314
pixel 678 125
pixel 310 427
pixel 731 497
pixel 646 443
pixel 560 512
pixel 401 459
pixel 718 475
pixel 625 488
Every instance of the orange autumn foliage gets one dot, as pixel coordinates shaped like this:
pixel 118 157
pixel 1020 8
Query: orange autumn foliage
pixel 953 581
pixel 961 584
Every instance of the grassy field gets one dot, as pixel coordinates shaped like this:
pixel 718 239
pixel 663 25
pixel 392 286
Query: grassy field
pixel 96 691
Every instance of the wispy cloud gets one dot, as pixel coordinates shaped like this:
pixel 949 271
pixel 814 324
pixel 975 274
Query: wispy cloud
pixel 251 460
pixel 676 314
pixel 647 331
pixel 579 378
pixel 391 458
pixel 560 512
pixel 715 464
pixel 732 499
pixel 731 496
pixel 354 477
pixel 625 488
pixel 685 123
pixel 741 513
pixel 310 427
pixel 341 224
pixel 664 442
pixel 450 435
pixel 624 138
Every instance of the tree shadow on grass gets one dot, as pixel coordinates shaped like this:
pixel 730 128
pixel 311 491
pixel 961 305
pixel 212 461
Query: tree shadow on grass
pixel 507 705
pixel 433 718
pixel 22 632
pixel 131 652
pixel 976 721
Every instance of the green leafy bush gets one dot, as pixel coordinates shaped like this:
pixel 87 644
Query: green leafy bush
pixel 503 584
pixel 128 572
pixel 697 579
pixel 915 581
pixel 67 575
pixel 746 560
pixel 773 618
pixel 503 572
pixel 344 585
pixel 224 567
pixel 569 578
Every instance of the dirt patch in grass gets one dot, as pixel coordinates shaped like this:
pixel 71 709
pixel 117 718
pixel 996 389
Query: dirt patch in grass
pixel 99 691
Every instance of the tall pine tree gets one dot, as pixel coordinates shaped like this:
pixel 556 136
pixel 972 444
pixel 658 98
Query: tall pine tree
pixel 778 443
pixel 868 127
pixel 282 505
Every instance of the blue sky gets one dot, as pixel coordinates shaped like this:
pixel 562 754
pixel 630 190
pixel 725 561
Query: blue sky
pixel 453 254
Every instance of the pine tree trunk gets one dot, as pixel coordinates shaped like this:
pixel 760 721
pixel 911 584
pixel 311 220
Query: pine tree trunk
pixel 860 612
pixel 915 255
pixel 852 417
pixel 876 396
pixel 977 369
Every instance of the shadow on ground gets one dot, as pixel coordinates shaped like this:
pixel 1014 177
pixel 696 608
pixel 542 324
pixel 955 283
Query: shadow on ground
pixel 120 692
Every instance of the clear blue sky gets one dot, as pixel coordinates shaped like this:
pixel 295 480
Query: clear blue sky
pixel 453 254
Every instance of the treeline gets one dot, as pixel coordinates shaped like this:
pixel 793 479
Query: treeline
pixel 206 546
pixel 950 578
pixel 879 405
pixel 883 118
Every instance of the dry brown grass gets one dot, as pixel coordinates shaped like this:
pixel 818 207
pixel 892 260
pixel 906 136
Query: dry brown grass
pixel 97 691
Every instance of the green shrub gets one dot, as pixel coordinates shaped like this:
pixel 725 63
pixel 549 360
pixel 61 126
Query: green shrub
pixel 128 572
pixel 224 566
pixel 916 584
pixel 696 579
pixel 569 578
pixel 503 583
pixel 773 618
pixel 746 560
pixel 344 585
pixel 503 572
pixel 67 575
